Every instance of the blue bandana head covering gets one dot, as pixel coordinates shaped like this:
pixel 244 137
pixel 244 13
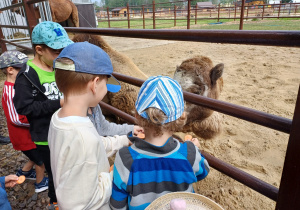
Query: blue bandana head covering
pixel 163 93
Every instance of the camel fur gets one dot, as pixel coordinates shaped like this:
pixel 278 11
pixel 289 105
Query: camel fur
pixel 61 10
pixel 198 75
pixel 126 97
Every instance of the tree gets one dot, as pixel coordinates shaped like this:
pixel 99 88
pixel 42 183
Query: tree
pixel 287 1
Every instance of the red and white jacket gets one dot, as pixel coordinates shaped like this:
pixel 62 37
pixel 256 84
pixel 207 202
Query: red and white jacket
pixel 18 126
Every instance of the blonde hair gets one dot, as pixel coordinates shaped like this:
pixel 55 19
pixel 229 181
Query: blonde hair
pixel 70 82
pixel 156 120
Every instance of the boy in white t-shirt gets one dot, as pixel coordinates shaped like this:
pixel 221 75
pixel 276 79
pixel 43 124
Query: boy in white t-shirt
pixel 79 160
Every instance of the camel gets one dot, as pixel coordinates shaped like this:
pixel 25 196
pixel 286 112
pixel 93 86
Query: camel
pixel 126 97
pixel 198 75
pixel 61 10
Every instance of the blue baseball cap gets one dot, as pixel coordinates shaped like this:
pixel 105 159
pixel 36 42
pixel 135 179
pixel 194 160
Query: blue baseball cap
pixel 163 93
pixel 51 34
pixel 90 59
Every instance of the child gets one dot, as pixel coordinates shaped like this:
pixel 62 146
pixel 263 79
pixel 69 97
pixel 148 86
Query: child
pixel 106 128
pixel 6 181
pixel 78 154
pixel 159 164
pixel 18 126
pixel 37 95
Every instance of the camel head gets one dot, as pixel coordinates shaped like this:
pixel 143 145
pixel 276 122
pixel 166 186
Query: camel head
pixel 198 75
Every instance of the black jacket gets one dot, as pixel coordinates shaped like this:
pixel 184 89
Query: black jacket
pixel 31 101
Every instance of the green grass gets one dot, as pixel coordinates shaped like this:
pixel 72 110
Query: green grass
pixel 250 24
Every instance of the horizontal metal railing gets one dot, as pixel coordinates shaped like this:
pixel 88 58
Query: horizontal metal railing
pixel 269 38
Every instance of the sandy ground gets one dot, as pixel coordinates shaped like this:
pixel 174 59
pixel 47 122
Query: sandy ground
pixel 258 77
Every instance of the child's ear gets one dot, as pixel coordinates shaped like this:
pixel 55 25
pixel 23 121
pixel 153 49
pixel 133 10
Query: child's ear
pixel 94 84
pixel 39 50
pixel 10 70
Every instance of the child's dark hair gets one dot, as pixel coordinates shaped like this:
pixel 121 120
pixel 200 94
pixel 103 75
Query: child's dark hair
pixel 156 119
pixel 69 82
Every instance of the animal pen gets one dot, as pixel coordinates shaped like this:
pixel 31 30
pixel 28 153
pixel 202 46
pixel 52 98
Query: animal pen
pixel 191 14
pixel 287 196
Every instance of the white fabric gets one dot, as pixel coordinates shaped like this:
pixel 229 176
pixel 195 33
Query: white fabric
pixel 79 164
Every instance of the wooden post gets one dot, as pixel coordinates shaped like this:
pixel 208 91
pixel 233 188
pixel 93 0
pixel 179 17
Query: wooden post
pixel 143 9
pixel 3 45
pixel 30 16
pixel 279 11
pixel 189 14
pixel 128 16
pixel 209 12
pixel 289 189
pixel 234 12
pixel 229 11
pixel 108 17
pixel 247 12
pixel 196 14
pixel 242 15
pixel 219 13
pixel 296 9
pixel 263 13
pixel 153 8
pixel 174 15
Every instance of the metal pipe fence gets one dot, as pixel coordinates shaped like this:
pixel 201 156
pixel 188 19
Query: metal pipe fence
pixel 288 193
pixel 157 12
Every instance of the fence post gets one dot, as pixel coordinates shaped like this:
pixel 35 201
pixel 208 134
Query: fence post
pixel 296 10
pixel 247 12
pixel 219 13
pixel 143 9
pixel 30 16
pixel 174 15
pixel 263 13
pixel 289 189
pixel 128 16
pixel 242 15
pixel 3 45
pixel 189 14
pixel 108 17
pixel 229 11
pixel 153 8
pixel 196 14
pixel 279 11
pixel 234 11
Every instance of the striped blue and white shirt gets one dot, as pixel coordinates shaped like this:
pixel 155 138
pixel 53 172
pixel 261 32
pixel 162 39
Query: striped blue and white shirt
pixel 144 172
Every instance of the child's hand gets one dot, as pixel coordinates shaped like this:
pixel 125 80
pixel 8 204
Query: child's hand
pixel 137 129
pixel 195 142
pixel 11 180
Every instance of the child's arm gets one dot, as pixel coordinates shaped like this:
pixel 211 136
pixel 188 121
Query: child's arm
pixel 26 104
pixel 200 164
pixel 15 118
pixel 106 128
pixel 113 143
pixel 119 197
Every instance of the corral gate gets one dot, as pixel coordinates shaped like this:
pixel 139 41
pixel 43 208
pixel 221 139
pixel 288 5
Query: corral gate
pixel 287 196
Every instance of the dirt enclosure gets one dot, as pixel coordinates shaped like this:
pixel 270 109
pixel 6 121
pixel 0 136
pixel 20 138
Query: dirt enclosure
pixel 258 77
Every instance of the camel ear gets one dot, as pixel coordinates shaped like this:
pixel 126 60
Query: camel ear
pixel 216 73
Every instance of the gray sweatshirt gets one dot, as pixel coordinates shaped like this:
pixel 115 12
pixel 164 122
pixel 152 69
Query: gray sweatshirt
pixel 106 128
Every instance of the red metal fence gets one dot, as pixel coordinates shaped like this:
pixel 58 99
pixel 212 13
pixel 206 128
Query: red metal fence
pixel 287 196
pixel 158 11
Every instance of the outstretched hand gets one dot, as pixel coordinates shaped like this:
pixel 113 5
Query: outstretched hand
pixel 195 142
pixel 137 129
pixel 11 180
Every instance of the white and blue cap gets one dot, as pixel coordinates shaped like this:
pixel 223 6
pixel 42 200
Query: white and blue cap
pixel 90 59
pixel 163 93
